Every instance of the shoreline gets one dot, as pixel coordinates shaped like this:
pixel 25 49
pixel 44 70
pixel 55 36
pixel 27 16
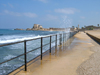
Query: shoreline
pixel 38 30
pixel 45 30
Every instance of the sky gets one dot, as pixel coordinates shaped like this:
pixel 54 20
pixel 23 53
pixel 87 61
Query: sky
pixel 48 13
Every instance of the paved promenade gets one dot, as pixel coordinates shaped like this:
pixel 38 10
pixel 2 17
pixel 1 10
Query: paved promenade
pixel 79 58
pixel 92 65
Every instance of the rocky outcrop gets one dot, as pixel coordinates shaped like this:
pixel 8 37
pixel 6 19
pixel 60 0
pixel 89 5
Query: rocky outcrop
pixel 18 29
pixel 39 27
pixel 28 29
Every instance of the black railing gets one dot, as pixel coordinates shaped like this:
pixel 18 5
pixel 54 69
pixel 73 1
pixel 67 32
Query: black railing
pixel 59 40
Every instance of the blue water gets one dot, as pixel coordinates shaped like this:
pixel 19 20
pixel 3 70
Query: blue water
pixel 8 52
pixel 7 35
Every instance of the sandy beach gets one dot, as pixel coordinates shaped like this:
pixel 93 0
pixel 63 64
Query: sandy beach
pixel 75 59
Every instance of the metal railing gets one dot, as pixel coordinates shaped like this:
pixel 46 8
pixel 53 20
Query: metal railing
pixel 61 38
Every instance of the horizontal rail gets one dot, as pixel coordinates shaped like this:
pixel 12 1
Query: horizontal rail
pixel 45 44
pixel 10 43
pixel 12 58
pixel 53 41
pixel 33 50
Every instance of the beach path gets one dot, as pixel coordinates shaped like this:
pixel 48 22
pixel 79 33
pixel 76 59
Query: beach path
pixel 65 60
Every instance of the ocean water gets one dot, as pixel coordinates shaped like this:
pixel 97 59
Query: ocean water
pixel 8 52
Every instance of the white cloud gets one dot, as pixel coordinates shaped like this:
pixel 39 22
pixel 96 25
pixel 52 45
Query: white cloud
pixel 32 15
pixel 97 12
pixel 67 10
pixel 4 4
pixel 0 13
pixel 48 11
pixel 8 5
pixel 51 17
pixel 82 17
pixel 12 13
pixel 11 5
pixel 44 1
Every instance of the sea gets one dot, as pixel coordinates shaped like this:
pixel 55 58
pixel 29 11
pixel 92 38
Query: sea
pixel 11 51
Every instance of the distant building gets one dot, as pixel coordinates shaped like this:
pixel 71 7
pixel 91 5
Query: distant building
pixel 37 27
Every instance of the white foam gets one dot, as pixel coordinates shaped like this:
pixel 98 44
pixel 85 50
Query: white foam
pixel 5 64
pixel 21 59
pixel 8 57
pixel 9 39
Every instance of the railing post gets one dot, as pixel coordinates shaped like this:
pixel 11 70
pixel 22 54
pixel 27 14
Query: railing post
pixel 41 47
pixel 70 34
pixel 63 37
pixel 66 36
pixel 56 42
pixel 25 57
pixel 60 38
pixel 50 44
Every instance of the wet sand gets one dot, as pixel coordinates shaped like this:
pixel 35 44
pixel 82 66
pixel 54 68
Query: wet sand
pixel 65 60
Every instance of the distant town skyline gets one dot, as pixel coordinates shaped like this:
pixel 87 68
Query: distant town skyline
pixel 49 13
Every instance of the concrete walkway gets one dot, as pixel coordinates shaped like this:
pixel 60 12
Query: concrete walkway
pixel 66 60
pixel 92 65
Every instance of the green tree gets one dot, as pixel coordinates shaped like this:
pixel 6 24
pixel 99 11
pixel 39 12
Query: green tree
pixel 73 27
pixel 82 27
pixel 98 25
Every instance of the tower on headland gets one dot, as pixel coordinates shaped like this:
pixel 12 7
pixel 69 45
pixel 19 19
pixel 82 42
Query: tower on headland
pixel 78 26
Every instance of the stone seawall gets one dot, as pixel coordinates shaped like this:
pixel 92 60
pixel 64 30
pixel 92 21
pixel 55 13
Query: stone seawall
pixel 94 37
